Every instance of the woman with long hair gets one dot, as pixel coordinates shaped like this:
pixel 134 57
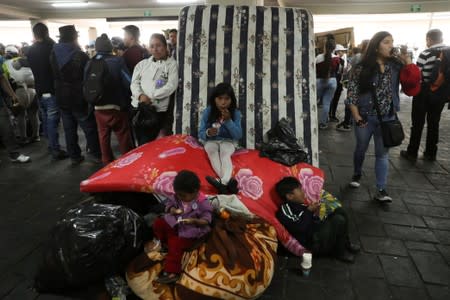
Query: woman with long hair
pixel 327 65
pixel 375 82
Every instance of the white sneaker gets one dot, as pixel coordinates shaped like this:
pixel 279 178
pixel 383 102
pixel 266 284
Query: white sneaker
pixel 355 181
pixel 20 159
pixel 382 196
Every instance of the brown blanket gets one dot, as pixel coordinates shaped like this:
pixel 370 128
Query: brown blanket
pixel 235 262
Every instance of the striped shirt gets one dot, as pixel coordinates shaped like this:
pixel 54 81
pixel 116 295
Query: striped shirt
pixel 426 60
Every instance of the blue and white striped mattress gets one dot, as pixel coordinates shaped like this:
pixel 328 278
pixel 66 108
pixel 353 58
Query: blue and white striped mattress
pixel 266 53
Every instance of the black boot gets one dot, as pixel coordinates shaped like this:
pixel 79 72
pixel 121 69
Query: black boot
pixel 221 188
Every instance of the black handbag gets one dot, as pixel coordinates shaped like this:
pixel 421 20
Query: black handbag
pixel 145 117
pixel 392 130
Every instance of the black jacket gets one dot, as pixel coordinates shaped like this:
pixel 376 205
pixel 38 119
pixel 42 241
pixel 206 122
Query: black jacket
pixel 68 63
pixel 298 221
pixel 39 62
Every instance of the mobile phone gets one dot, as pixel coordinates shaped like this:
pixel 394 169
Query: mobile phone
pixel 395 51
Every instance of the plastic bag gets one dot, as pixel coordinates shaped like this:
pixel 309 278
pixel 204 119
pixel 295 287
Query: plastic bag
pixel 282 145
pixel 89 243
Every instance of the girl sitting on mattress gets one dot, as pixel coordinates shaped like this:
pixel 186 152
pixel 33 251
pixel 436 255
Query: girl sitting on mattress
pixel 220 131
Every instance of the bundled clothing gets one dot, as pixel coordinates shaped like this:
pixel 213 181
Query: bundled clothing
pixel 113 113
pixel 157 79
pixel 179 236
pixel 68 63
pixel 220 147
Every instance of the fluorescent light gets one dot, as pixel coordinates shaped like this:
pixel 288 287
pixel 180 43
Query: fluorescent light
pixel 174 1
pixel 70 4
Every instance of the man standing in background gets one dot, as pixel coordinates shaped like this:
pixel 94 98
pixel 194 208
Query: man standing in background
pixel 425 105
pixel 39 61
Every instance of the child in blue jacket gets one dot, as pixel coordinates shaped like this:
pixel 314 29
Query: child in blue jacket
pixel 220 131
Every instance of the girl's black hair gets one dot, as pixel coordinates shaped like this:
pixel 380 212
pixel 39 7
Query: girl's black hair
pixel 220 90
pixel 369 61
pixel 330 45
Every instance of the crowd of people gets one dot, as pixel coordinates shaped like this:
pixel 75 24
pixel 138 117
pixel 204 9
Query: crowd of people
pixel 48 82
pixel 373 75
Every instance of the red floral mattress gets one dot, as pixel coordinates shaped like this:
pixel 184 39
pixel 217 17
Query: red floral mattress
pixel 153 166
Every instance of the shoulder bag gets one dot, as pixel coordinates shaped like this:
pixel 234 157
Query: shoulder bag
pixel 392 130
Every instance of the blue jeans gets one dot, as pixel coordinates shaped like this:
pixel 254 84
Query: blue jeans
pixel 50 121
pixel 363 136
pixel 86 120
pixel 325 91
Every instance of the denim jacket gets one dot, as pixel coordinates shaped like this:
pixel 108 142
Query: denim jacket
pixel 365 102
pixel 230 129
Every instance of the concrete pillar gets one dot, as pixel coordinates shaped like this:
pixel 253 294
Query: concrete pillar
pixel 240 2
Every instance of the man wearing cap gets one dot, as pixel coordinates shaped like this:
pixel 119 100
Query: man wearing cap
pixel 135 52
pixel 340 52
pixel 68 62
pixel 423 106
pixel 112 110
pixel 39 61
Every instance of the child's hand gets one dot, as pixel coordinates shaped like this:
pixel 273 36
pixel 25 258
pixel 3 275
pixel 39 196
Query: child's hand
pixel 188 221
pixel 175 211
pixel 226 114
pixel 212 131
pixel 313 207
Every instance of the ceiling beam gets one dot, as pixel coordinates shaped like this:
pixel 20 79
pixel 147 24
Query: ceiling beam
pixel 112 13
pixel 13 12
pixel 366 7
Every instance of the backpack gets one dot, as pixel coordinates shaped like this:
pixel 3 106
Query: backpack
pixel 96 81
pixel 440 77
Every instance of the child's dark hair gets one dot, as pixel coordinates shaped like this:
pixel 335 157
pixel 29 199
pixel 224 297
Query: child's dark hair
pixel 286 186
pixel 220 90
pixel 186 181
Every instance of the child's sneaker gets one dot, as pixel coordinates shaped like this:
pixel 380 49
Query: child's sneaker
pixel 382 196
pixel 355 181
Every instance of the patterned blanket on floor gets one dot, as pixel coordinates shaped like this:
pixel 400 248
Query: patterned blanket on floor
pixel 235 262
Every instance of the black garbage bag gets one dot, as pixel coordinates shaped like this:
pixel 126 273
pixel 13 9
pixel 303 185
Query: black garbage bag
pixel 92 241
pixel 282 145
